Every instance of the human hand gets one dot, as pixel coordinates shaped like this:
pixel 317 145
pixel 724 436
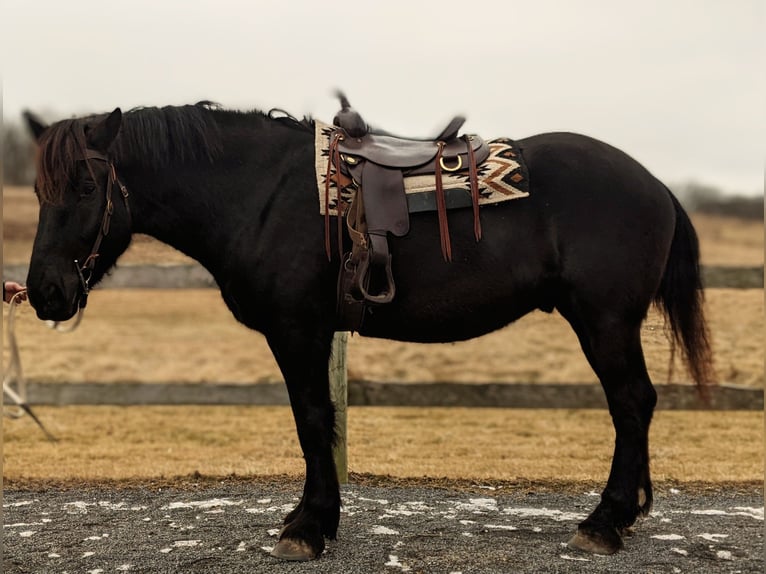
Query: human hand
pixel 11 288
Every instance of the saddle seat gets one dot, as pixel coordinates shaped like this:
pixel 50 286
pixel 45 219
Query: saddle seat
pixel 401 153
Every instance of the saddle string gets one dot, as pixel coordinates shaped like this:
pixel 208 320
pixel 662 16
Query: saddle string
pixel 13 374
pixel 474 179
pixel 441 206
pixel 333 162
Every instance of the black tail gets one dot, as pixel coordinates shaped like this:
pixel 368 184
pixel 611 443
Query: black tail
pixel 681 299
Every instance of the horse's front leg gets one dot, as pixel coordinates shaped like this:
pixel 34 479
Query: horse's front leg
pixel 303 359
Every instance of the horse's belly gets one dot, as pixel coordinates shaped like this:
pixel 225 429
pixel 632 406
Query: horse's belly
pixel 418 319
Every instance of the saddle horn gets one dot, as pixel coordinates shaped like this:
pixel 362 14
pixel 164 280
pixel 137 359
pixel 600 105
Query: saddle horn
pixel 349 119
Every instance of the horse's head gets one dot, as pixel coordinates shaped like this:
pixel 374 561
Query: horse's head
pixel 84 223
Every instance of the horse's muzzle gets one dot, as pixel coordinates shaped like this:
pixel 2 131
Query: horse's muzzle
pixel 53 302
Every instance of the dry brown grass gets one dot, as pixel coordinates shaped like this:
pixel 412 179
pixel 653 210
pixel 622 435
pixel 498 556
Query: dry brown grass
pixel 98 443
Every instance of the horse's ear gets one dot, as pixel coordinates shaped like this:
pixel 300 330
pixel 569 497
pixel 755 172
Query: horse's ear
pixel 101 135
pixel 35 124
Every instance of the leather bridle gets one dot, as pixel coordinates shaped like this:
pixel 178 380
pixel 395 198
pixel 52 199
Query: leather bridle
pixel 85 271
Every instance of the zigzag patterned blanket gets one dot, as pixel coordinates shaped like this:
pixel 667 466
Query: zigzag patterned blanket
pixel 503 176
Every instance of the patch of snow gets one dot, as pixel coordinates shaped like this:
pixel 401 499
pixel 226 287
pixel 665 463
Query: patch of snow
pixel 557 515
pixel 575 558
pixel 241 548
pixel 393 562
pixel 478 505
pixel 19 503
pixel 27 533
pixel 680 551
pixel 724 555
pixel 77 507
pixel 186 543
pixel 383 530
pixel 214 503
pixel 713 537
pixel 378 500
pixel 500 527
pixel 270 509
pixel 91 538
pixel 400 512
pixel 22 524
pixel 667 537
pixel 756 513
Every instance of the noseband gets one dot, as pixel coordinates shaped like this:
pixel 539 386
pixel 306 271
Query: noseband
pixel 85 271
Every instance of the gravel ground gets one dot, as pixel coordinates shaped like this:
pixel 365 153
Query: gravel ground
pixel 230 526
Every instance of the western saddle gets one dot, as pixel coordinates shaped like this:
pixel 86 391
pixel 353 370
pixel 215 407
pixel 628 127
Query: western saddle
pixel 376 163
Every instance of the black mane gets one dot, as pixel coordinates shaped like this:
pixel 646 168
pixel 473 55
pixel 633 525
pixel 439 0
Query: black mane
pixel 168 135
pixel 158 137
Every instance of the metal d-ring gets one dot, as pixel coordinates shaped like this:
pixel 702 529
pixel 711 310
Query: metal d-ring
pixel 453 168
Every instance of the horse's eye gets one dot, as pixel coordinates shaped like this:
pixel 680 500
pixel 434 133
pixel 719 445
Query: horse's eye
pixel 87 188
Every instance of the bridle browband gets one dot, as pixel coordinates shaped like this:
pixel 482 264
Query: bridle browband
pixel 85 271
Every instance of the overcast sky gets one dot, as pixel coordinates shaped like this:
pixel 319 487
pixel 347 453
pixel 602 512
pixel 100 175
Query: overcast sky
pixel 678 84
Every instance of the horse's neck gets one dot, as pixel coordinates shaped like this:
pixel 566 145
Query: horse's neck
pixel 180 212
pixel 199 209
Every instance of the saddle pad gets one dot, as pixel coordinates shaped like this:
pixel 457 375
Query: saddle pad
pixel 503 176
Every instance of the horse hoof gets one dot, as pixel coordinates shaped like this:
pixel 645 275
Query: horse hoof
pixel 596 543
pixel 295 550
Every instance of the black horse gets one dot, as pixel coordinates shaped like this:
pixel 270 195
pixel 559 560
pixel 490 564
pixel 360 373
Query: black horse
pixel 599 239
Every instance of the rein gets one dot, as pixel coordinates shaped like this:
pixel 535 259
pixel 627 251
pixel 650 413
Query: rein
pixel 85 271
pixel 13 374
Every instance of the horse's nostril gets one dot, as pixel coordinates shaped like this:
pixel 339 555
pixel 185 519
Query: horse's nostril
pixel 49 302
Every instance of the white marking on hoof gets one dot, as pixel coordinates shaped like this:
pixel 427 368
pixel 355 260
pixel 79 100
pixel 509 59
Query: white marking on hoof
pixel 294 550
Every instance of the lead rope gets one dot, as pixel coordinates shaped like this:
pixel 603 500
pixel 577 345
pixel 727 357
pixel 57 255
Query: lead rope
pixel 14 375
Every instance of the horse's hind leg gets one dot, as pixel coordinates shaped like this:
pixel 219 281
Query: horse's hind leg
pixel 612 344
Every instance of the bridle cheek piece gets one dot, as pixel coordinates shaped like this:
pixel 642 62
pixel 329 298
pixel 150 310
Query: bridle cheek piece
pixel 85 270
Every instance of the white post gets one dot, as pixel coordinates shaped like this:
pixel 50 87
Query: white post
pixel 339 396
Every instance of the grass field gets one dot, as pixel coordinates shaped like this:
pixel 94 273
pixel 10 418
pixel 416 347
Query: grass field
pixel 556 446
